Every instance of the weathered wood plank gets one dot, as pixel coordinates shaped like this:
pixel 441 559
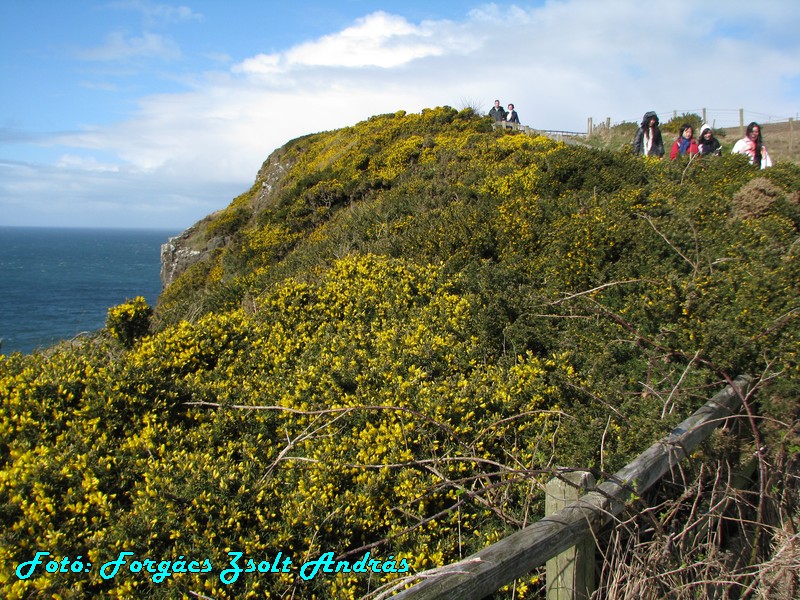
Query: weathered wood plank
pixel 517 554
pixel 570 575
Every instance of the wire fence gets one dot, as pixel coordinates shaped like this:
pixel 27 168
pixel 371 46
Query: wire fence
pixel 718 118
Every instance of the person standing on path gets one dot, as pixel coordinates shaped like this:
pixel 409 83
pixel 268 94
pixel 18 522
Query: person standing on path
pixel 511 115
pixel 753 146
pixel 648 141
pixel 497 112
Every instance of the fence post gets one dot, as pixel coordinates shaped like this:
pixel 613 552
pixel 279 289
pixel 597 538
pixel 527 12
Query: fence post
pixel 589 127
pixel 570 575
pixel 741 122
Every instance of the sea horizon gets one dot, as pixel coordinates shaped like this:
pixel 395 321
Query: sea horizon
pixel 57 283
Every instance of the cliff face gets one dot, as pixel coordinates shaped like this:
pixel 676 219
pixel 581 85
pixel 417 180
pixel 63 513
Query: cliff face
pixel 177 256
pixel 198 242
pixel 304 183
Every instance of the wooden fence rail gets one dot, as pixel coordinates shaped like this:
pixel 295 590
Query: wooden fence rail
pixel 552 133
pixel 512 557
pixel 730 116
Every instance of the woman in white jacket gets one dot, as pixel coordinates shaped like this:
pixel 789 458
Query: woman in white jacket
pixel 752 145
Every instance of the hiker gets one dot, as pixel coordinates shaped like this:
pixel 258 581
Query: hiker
pixel 511 115
pixel 648 140
pixel 707 144
pixel 685 145
pixel 497 113
pixel 753 146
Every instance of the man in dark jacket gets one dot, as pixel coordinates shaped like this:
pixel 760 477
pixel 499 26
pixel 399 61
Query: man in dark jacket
pixel 497 112
pixel 648 140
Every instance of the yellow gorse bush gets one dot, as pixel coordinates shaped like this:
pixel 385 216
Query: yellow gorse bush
pixel 364 424
pixel 388 348
pixel 130 320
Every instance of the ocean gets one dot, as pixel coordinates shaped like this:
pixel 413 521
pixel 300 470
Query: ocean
pixel 58 283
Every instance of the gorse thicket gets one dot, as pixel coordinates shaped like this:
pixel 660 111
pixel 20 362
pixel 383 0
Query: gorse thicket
pixel 405 325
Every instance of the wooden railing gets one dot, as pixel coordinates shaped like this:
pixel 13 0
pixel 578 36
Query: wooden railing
pixel 551 133
pixel 512 557
pixel 769 123
pixel 592 127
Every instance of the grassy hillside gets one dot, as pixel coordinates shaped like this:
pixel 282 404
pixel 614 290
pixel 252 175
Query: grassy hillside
pixel 398 332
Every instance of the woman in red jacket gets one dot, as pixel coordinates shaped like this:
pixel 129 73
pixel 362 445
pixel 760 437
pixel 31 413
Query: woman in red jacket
pixel 685 144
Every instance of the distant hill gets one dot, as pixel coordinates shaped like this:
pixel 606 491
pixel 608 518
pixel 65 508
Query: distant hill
pixel 385 346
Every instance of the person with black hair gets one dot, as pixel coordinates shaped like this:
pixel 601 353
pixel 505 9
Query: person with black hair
pixel 753 146
pixel 707 144
pixel 685 145
pixel 511 115
pixel 648 141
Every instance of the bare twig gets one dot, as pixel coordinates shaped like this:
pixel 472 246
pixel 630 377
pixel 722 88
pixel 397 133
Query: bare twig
pixel 595 289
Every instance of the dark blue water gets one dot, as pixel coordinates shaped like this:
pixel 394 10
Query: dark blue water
pixel 58 283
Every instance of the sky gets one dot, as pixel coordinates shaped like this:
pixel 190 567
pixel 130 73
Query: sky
pixel 154 114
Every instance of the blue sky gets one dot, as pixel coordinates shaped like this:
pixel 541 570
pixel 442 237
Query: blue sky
pixel 139 113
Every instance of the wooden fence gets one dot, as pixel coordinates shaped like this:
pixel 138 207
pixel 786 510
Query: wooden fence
pixel 789 122
pixel 486 571
pixel 551 133
pixel 592 127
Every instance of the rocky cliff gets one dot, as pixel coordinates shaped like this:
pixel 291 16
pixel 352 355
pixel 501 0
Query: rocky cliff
pixel 198 242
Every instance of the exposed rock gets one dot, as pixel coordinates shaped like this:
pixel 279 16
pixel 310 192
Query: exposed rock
pixel 193 245
pixel 176 258
pixel 270 178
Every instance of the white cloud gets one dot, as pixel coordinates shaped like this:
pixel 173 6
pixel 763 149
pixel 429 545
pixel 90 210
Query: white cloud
pixel 84 163
pixel 118 46
pixel 154 14
pixel 74 196
pixel 378 40
pixel 102 86
pixel 260 64
pixel 165 13
pixel 183 155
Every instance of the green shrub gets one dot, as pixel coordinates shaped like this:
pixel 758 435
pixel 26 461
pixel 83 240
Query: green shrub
pixel 129 321
pixel 675 123
pixel 228 221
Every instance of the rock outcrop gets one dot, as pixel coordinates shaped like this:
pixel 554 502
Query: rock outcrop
pixel 176 257
pixel 197 244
